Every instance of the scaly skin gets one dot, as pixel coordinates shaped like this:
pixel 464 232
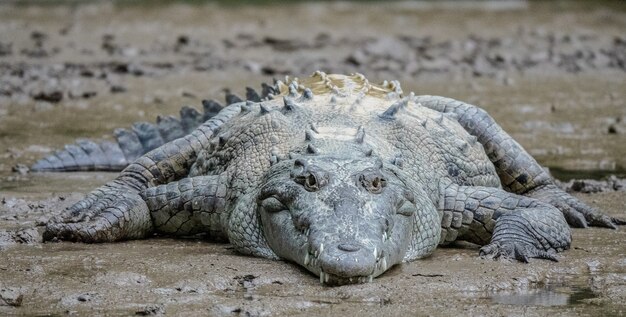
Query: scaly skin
pixel 342 177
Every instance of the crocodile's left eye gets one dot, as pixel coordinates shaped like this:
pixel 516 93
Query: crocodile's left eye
pixel 373 181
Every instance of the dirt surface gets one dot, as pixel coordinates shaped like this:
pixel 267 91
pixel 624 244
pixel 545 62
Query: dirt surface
pixel 553 75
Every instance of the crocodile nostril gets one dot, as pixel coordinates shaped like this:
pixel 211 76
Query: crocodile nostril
pixel 349 247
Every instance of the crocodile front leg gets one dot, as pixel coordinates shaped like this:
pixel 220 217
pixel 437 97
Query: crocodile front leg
pixel 507 224
pixel 189 206
pixel 518 171
pixel 116 210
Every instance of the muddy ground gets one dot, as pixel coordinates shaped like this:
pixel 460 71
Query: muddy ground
pixel 553 75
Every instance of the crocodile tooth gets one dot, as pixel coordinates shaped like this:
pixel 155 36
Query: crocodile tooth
pixel 384 264
pixel 307 259
pixel 370 278
pixel 321 248
pixel 326 278
pixel 375 252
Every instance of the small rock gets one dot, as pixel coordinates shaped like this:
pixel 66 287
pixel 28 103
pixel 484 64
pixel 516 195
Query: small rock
pixel 116 89
pixel 78 299
pixel 10 297
pixel 188 94
pixel 152 310
pixel 593 266
pixel 53 96
pixel 182 40
pixel 84 298
pixel 20 169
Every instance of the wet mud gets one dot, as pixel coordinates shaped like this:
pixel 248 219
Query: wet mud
pixel 551 74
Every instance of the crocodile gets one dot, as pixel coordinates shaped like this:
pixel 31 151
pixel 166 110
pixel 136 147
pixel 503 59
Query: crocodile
pixel 343 177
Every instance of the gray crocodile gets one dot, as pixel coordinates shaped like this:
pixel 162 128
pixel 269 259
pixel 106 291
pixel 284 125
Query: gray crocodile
pixel 343 177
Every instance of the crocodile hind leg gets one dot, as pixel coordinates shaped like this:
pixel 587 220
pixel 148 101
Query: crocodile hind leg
pixel 506 224
pixel 188 206
pixel 518 171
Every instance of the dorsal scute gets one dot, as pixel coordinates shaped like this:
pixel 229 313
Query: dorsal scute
pixel 344 86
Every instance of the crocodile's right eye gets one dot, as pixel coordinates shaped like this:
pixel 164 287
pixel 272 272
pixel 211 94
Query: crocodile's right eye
pixel 312 178
pixel 309 181
pixel 272 204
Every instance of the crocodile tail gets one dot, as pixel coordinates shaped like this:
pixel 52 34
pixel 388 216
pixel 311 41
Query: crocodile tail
pixel 129 144
pixel 142 137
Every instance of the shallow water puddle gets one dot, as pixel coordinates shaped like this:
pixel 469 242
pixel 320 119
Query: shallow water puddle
pixel 550 295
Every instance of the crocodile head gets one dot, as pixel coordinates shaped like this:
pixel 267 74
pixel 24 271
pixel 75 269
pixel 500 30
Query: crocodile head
pixel 345 220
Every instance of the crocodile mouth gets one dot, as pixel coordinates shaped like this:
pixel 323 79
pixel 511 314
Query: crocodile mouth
pixel 333 280
pixel 332 269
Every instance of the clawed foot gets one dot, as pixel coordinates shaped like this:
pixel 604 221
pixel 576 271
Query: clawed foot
pixel 515 250
pixel 110 213
pixel 577 213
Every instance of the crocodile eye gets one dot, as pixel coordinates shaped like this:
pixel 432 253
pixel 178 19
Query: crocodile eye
pixel 311 177
pixel 311 181
pixel 373 182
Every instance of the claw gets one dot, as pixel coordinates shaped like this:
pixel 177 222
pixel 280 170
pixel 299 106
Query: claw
pixel 617 221
pixel 577 213
pixel 574 218
pixel 103 216
pixel 515 250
